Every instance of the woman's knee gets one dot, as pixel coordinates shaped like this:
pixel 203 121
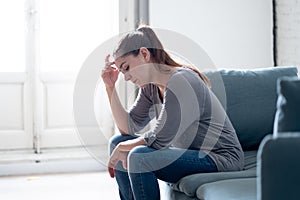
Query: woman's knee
pixel 137 158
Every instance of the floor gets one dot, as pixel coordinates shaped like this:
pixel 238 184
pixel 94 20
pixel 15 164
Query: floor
pixel 78 186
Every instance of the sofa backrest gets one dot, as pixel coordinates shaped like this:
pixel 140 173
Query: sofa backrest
pixel 249 98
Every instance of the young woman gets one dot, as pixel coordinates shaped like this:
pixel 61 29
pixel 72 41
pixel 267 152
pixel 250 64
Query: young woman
pixel 192 132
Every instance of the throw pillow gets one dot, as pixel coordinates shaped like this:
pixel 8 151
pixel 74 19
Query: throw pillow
pixel 287 117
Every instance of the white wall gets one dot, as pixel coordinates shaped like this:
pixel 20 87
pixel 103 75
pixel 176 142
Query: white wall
pixel 234 33
pixel 288 32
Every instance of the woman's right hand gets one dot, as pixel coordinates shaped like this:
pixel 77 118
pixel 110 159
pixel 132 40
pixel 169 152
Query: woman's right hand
pixel 109 74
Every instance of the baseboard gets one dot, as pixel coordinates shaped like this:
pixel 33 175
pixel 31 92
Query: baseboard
pixel 50 161
pixel 48 167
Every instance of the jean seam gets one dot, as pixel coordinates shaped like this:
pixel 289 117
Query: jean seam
pixel 141 182
pixel 130 192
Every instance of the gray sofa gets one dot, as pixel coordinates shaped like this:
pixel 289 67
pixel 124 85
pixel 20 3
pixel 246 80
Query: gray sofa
pixel 278 158
pixel 250 98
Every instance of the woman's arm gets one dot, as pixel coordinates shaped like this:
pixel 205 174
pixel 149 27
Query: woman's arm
pixel 119 113
pixel 140 113
pixel 110 76
pixel 120 154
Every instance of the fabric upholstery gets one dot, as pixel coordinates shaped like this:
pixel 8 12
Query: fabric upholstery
pixel 288 105
pixel 233 189
pixel 249 97
pixel 172 194
pixel 189 184
pixel 278 167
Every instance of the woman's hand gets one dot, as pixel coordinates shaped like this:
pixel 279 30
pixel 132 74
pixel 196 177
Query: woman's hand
pixel 109 73
pixel 117 155
pixel 120 153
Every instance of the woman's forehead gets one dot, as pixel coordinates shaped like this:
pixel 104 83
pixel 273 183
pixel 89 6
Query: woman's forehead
pixel 121 60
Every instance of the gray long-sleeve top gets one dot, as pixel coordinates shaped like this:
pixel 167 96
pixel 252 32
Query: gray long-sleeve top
pixel 189 117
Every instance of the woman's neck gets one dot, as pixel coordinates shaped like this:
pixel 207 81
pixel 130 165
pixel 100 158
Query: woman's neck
pixel 161 75
pixel 162 79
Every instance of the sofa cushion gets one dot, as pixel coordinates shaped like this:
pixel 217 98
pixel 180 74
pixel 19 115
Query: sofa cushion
pixel 278 167
pixel 172 194
pixel 288 105
pixel 241 189
pixel 249 97
pixel 190 184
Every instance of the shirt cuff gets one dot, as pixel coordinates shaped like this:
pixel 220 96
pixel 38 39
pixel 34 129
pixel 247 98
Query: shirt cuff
pixel 150 137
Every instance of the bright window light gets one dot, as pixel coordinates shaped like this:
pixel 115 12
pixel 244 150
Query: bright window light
pixel 71 29
pixel 12 36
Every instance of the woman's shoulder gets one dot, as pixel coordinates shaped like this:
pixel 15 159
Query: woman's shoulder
pixel 187 73
pixel 185 76
pixel 184 70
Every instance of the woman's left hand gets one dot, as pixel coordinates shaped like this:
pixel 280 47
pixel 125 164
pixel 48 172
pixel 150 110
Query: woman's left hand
pixel 120 153
pixel 117 155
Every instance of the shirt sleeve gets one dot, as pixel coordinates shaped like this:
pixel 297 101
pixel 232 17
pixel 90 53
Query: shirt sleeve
pixel 142 111
pixel 180 109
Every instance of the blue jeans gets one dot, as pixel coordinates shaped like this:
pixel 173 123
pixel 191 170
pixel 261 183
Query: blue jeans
pixel 146 165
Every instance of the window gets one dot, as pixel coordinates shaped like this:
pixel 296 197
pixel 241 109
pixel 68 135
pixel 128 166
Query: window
pixel 70 30
pixel 12 36
pixel 43 44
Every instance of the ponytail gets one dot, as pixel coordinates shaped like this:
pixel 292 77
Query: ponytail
pixel 144 36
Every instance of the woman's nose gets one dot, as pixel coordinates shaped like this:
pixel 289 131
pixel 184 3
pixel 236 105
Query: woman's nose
pixel 127 76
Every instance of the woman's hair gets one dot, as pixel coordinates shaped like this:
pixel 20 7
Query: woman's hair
pixel 144 36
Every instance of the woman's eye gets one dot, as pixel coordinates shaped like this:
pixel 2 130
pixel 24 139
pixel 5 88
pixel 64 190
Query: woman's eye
pixel 126 68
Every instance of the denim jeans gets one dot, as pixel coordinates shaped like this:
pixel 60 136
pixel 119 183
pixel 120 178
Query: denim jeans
pixel 146 165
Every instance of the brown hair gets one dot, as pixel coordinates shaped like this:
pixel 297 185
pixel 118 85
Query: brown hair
pixel 144 36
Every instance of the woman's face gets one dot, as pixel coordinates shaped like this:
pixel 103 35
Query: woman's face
pixel 134 68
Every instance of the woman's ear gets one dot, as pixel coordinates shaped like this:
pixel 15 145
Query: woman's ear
pixel 145 53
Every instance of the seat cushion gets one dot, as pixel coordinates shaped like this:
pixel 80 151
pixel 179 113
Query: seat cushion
pixel 249 98
pixel 288 105
pixel 278 167
pixel 175 195
pixel 190 184
pixel 233 189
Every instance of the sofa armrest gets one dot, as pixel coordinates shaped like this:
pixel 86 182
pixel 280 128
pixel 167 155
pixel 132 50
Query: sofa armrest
pixel 278 167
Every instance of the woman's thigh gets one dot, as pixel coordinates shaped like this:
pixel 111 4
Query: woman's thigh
pixel 116 139
pixel 169 164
